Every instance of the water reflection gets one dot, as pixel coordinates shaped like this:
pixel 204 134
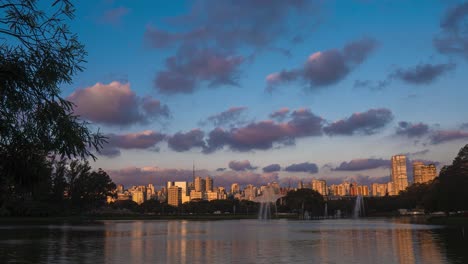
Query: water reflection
pixel 246 241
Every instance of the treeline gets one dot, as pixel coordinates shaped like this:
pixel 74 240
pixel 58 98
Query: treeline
pixel 55 187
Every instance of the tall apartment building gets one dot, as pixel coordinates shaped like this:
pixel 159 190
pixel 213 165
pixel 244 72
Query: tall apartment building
pixel 423 173
pixel 208 184
pixel 399 174
pixel 174 196
pixel 200 184
pixel 235 188
pixel 379 189
pixel 320 186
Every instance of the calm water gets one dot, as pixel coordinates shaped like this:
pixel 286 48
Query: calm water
pixel 234 241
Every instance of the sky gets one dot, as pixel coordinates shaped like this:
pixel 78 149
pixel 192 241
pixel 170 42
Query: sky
pixel 252 91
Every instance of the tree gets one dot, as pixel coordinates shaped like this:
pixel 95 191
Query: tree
pixel 452 181
pixel 38 54
pixel 305 200
pixel 88 189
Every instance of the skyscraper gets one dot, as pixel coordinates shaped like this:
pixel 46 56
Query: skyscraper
pixel 320 186
pixel 399 174
pixel 174 196
pixel 235 188
pixel 423 173
pixel 199 184
pixel 208 184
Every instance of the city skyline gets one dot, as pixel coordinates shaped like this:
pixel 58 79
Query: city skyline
pixel 301 89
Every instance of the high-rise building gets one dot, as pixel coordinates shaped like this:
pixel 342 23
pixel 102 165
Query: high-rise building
pixel 208 184
pixel 399 174
pixel 200 184
pixel 423 173
pixel 120 188
pixel 320 186
pixel 235 188
pixel 250 192
pixel 138 196
pixel 174 196
pixel 379 189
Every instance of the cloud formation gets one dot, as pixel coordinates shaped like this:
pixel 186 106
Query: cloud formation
pixel 184 72
pixel 232 116
pixel 327 67
pixel 442 136
pixel 453 38
pixel 116 104
pixel 214 32
pixel 302 167
pixel 412 130
pixel 265 134
pixel 242 165
pixel 366 123
pixel 186 141
pixel 422 73
pixel 362 164
pixel 272 168
pixel 140 140
pixel 280 114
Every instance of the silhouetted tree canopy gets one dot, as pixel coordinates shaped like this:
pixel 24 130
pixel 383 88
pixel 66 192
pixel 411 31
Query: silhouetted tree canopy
pixel 38 54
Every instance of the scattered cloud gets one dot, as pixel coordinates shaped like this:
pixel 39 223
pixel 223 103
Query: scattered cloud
pixel 325 68
pixel 419 153
pixel 422 73
pixel 272 168
pixel 264 134
pixel 372 85
pixel 116 104
pixel 412 130
pixel 232 116
pixel 241 165
pixel 186 141
pixel 185 71
pixel 362 164
pixel 206 50
pixel 280 114
pixel 366 123
pixel 302 167
pixel 453 38
pixel 227 25
pixel 140 140
pixel 442 136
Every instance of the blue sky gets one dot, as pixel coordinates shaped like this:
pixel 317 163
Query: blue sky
pixel 166 67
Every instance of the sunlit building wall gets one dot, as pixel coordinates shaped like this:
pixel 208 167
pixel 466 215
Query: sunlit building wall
pixel 379 189
pixel 399 174
pixel 423 173
pixel 320 186
pixel 208 184
pixel 174 196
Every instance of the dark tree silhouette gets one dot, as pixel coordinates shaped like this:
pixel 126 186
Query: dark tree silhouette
pixel 452 181
pixel 38 54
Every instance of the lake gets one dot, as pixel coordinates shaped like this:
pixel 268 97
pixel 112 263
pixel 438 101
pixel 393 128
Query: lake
pixel 379 240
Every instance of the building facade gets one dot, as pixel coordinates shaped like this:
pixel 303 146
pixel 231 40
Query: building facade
pixel 424 173
pixel 399 174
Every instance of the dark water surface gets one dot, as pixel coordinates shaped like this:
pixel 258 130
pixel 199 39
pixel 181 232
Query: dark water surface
pixel 234 241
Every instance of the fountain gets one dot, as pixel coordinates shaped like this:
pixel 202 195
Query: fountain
pixel 325 213
pixel 266 200
pixel 358 207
